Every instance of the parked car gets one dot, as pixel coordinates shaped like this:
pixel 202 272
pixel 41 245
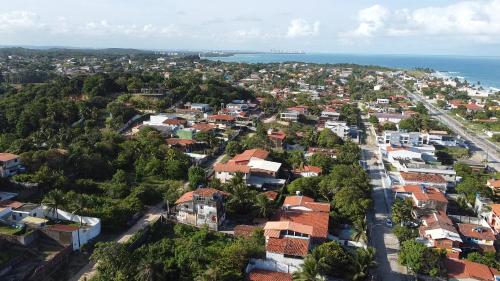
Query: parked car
pixel 388 222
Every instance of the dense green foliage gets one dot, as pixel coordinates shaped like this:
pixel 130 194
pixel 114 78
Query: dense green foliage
pixel 178 253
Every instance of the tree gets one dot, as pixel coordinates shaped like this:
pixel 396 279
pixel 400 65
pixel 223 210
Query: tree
pixel 349 153
pixel 420 259
pixel 373 120
pixel 196 177
pixel 113 259
pixel 332 259
pixel 402 210
pixel 54 200
pixel 411 255
pixel 359 231
pixel 328 139
pixel 389 126
pixel 306 186
pixel 488 258
pixel 321 160
pixel 263 205
pixel 470 187
pixel 242 198
pixel 404 233
pixel 363 261
pixel 351 203
pixel 420 108
pixel 309 271
pixel 233 148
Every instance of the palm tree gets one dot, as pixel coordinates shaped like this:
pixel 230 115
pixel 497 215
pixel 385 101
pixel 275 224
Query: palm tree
pixel 359 231
pixel 263 205
pixel 53 200
pixel 80 204
pixel 148 270
pixel 363 261
pixel 309 271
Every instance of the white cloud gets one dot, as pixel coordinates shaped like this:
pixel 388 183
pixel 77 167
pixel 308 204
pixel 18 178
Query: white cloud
pixel 371 20
pixel 301 28
pixel 19 20
pixel 474 20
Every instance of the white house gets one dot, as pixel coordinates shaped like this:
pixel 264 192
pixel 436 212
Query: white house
pixel 87 229
pixel 291 116
pixel 340 128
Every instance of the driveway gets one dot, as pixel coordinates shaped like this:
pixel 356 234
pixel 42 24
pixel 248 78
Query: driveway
pixel 152 215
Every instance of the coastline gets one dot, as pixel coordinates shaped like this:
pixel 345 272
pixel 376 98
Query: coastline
pixel 486 70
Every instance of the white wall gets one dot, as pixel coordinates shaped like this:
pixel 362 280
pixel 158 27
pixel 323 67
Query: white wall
pixel 90 231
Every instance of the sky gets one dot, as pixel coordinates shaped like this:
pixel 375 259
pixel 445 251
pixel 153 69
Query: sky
pixel 439 27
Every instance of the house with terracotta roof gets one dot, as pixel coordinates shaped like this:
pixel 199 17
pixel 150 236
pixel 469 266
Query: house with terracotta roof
pixel 244 157
pixel 428 180
pixel 423 197
pixel 287 243
pixel 203 206
pixel 304 203
pixel 276 137
pixel 10 164
pixel 494 218
pixel 438 231
pixel 222 120
pixel 271 195
pixel 311 214
pixel 307 171
pixel 494 185
pixel 477 237
pixel 185 145
pixel 226 171
pixel 464 270
pixel 266 275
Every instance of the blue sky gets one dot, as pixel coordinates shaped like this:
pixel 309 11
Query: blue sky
pixel 360 26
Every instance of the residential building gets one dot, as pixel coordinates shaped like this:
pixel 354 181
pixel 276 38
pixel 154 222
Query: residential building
pixel 477 237
pixel 412 166
pixel 340 128
pixel 263 168
pixel 390 117
pixel 403 138
pixel 290 116
pixel 301 109
pixel 244 157
pixel 226 171
pixel 266 275
pixel 330 114
pixel 494 185
pixel 301 210
pixel 287 243
pixel 307 171
pixel 437 231
pixel 201 107
pixel 494 218
pixel 222 120
pixel 482 206
pixel 10 165
pixel 465 270
pixel 201 207
pixel 276 137
pixel 428 180
pixel 423 197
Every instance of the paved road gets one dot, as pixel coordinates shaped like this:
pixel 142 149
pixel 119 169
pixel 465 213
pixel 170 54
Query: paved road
pixel 151 216
pixel 381 236
pixel 488 149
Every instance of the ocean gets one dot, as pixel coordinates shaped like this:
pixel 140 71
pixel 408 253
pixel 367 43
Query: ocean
pixel 486 70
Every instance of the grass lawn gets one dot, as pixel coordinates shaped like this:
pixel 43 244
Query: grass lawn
pixel 8 230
